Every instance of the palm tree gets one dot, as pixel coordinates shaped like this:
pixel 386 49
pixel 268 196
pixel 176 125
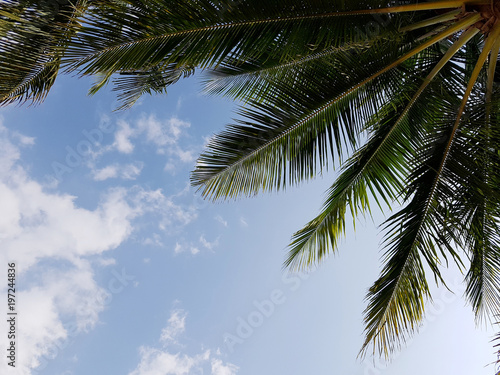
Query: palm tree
pixel 403 96
pixel 32 36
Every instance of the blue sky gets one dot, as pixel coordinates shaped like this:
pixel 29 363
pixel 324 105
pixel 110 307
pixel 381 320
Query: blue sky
pixel 123 269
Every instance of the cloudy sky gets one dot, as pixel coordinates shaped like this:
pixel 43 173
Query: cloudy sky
pixel 121 268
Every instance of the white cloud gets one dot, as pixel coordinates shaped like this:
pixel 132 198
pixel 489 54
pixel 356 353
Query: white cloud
pixel 154 240
pixel 69 295
pixel 160 133
pixel 106 261
pixel 221 220
pixel 164 135
pixel 158 362
pixel 178 248
pixel 194 250
pixel 176 126
pixel 161 361
pixel 176 325
pixel 183 248
pixel 35 224
pixel 122 137
pixel 24 140
pixel 169 167
pixel 126 172
pixel 208 245
pixel 179 103
pixel 9 153
pixel 111 171
pixel 183 155
pixel 131 171
pixel 218 368
pixel 51 239
pixel 171 215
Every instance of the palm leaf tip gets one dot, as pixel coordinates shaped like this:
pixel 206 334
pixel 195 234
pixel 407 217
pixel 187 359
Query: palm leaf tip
pixel 311 245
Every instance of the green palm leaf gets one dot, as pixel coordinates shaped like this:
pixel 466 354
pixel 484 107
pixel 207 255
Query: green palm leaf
pixel 395 302
pixel 231 176
pixel 410 113
pixel 31 43
pixel 379 168
pixel 479 217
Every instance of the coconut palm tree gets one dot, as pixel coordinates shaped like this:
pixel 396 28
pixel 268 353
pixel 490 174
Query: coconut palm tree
pixel 402 96
pixel 32 36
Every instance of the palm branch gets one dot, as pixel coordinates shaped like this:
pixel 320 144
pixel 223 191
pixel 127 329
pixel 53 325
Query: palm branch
pixel 409 112
pixel 32 38
pixel 412 153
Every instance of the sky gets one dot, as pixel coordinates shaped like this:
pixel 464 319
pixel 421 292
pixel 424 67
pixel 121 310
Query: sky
pixel 122 268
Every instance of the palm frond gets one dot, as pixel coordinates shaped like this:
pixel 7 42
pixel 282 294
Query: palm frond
pixel 413 111
pixel 379 168
pixel 420 229
pixel 257 78
pixel 201 33
pixel 395 302
pixel 228 169
pixel 33 37
pixel 137 36
pixel 289 136
pixel 130 86
pixel 478 213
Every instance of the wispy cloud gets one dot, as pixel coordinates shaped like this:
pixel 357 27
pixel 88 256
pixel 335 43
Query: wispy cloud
pixel 161 360
pixel 176 325
pixel 126 172
pixel 243 222
pixel 123 136
pixel 221 220
pixel 194 247
pixel 208 245
pixel 181 248
pixel 160 133
pixel 218 368
pixel 56 245
pixel 154 240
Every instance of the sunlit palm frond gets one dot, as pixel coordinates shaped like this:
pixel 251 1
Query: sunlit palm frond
pixel 303 112
pixel 378 168
pixel 291 137
pixel 417 233
pixel 395 302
